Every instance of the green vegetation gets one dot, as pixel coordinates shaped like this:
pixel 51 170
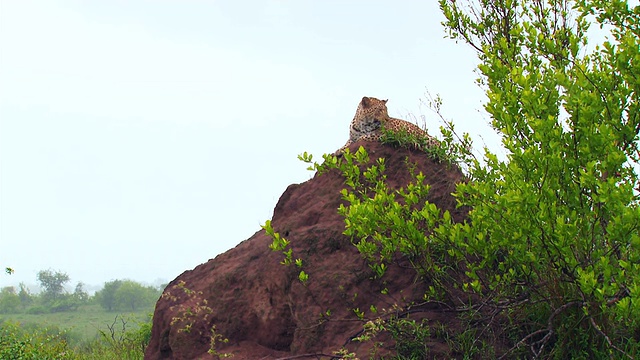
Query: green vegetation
pixel 447 151
pixel 82 324
pixel 56 324
pixel 116 295
pixel 196 312
pixel 117 338
pixel 549 256
pixel 17 342
pixel 53 297
pixel 52 284
pixel 126 295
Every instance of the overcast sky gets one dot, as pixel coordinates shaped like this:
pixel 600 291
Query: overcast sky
pixel 139 139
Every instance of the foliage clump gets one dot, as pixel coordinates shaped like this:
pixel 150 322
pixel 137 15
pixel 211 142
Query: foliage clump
pixel 126 295
pixel 17 342
pixel 121 340
pixel 556 225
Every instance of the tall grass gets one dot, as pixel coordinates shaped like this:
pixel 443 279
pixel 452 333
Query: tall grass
pixel 119 339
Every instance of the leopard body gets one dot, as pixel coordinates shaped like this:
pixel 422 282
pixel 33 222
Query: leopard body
pixel 371 117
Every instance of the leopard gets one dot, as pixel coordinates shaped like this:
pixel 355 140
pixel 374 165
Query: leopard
pixel 372 116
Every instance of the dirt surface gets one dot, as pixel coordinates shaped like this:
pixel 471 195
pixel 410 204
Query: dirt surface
pixel 262 308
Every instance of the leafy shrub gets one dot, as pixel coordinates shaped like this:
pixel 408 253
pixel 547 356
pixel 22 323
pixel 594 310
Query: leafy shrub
pixel 20 343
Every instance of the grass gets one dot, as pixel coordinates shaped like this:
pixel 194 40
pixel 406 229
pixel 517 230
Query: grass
pixel 85 323
pixel 88 333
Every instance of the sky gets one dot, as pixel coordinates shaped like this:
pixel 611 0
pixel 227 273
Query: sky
pixel 139 139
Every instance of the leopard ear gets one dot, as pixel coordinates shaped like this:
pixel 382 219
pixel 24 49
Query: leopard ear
pixel 385 101
pixel 365 101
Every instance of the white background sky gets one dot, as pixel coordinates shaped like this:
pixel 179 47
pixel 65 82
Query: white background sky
pixel 139 139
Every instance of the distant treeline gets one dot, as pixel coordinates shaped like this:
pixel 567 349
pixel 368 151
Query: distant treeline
pixel 116 295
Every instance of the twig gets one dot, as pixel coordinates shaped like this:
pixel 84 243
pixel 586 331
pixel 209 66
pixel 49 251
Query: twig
pixel 548 330
pixel 595 326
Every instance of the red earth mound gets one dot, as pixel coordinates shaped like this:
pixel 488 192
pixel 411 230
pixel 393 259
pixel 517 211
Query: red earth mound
pixel 262 308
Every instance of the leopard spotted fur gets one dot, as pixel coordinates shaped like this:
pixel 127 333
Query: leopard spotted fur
pixel 371 117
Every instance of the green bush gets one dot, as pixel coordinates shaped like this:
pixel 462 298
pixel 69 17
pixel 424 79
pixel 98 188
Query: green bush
pixel 34 342
pixel 9 300
pixel 551 244
pixel 20 343
pixel 411 338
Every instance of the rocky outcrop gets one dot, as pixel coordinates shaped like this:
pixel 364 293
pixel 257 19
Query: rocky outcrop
pixel 262 308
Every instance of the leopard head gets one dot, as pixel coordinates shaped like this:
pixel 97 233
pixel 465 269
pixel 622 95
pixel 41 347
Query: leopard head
pixel 369 116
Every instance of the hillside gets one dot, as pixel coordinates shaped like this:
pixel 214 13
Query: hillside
pixel 262 308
